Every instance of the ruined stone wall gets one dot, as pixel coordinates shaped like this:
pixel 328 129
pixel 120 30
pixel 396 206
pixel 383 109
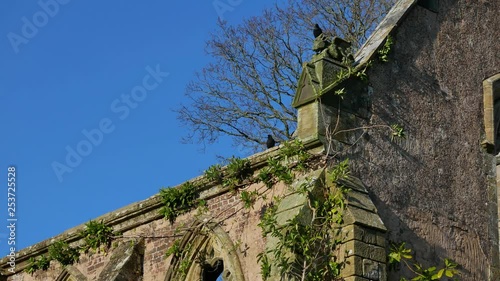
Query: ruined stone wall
pixel 146 236
pixel 222 230
pixel 435 189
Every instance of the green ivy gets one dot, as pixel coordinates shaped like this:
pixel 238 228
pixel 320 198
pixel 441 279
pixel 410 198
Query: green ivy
pixel 265 265
pixel 214 173
pixel 180 252
pixel 340 172
pixel 177 201
pixel 175 249
pixel 280 171
pixel 249 198
pixel 340 93
pixel 268 220
pixel 63 253
pixel 383 53
pixel 95 235
pixel 398 132
pixel 42 263
pixel 399 254
pixel 236 172
pixel 265 175
pixel 307 250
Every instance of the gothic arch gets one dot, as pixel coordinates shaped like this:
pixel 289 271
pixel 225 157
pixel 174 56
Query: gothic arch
pixel 71 273
pixel 205 248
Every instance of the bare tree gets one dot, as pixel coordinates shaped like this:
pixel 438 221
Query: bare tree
pixel 246 92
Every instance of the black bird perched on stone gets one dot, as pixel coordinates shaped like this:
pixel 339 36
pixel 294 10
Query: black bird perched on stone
pixel 270 141
pixel 317 31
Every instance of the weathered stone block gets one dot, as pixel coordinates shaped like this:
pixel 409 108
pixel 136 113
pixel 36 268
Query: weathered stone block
pixel 125 264
pixel 359 216
pixel 364 268
pixel 361 200
pixel 307 121
pixel 367 235
pixel 361 249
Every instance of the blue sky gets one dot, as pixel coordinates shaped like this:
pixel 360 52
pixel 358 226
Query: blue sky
pixel 87 90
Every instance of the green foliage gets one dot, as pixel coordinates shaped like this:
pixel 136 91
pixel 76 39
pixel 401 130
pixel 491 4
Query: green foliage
pixel 177 201
pixel 42 263
pixel 291 148
pixel 95 235
pixel 295 150
pixel 351 71
pixel 340 93
pixel 202 208
pixel 306 250
pixel 214 173
pixel 175 249
pixel 180 253
pixel 266 177
pixel 399 254
pixel 184 267
pixel 332 209
pixel 278 168
pixel 237 171
pixel 280 171
pixel 268 221
pixel 343 74
pixel 450 269
pixel 383 53
pixel 340 172
pixel 361 74
pixel 397 132
pixel 63 253
pixel 238 168
pixel 265 265
pixel 249 198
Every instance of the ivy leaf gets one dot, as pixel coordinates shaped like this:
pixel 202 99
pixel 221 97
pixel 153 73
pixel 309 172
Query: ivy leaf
pixel 439 274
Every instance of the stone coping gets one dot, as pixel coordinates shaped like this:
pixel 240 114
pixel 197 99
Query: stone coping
pixel 385 27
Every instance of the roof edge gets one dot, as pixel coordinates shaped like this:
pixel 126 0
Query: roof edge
pixel 385 27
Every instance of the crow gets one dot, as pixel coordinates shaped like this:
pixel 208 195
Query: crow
pixel 270 141
pixel 317 31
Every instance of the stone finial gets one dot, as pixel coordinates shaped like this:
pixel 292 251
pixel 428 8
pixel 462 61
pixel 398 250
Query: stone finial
pixel 336 49
pixel 320 109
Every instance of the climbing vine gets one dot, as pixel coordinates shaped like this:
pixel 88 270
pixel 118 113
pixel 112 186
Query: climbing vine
pixel 95 235
pixel 177 201
pixel 180 253
pixel 41 263
pixel 305 249
pixel 383 53
pixel 308 250
pixel 400 255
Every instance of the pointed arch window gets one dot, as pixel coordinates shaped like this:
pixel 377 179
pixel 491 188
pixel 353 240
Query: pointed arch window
pixel 206 254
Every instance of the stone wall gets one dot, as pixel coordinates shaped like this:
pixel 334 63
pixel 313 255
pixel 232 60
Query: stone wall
pixel 223 232
pixel 435 189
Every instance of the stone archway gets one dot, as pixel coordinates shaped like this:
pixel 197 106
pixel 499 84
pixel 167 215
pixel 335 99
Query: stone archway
pixel 207 252
pixel 71 273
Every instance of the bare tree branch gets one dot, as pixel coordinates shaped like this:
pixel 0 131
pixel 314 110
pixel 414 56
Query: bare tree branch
pixel 246 92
